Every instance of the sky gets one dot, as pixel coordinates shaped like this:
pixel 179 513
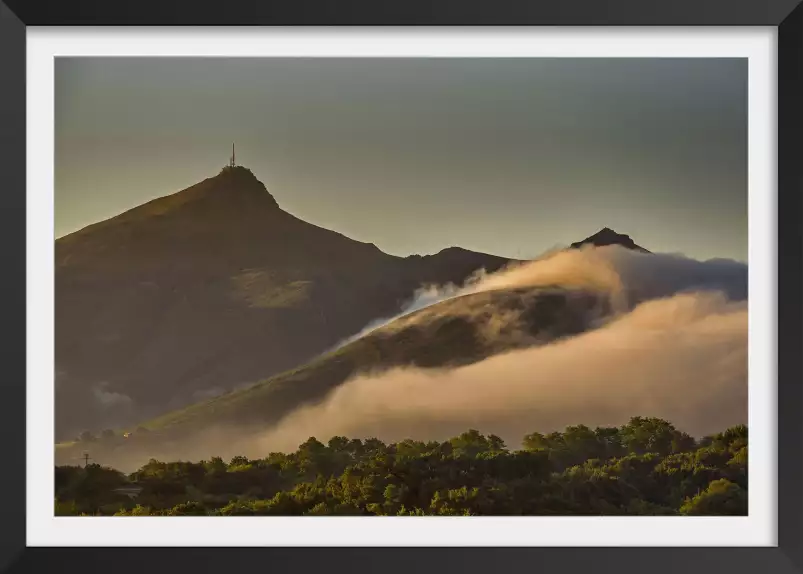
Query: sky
pixel 505 156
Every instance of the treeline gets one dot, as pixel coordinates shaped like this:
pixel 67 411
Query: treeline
pixel 645 467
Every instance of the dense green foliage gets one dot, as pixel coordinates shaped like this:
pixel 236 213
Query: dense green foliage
pixel 646 467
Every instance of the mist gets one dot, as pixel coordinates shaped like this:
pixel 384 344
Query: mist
pixel 672 344
pixel 683 359
pixel 423 297
pixel 622 275
pixel 675 347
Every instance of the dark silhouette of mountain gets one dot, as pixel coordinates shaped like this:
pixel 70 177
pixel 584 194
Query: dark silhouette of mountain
pixel 607 236
pixel 213 287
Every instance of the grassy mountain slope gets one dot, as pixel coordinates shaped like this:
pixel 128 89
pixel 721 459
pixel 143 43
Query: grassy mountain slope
pixel 193 294
pixel 451 333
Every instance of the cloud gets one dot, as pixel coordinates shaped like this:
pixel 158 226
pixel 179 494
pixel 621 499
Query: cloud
pixel 672 343
pixel 423 297
pixel 626 276
pixel 674 346
pixel 110 399
pixel 682 358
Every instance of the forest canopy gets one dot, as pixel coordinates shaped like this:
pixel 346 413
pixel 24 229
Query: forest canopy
pixel 645 467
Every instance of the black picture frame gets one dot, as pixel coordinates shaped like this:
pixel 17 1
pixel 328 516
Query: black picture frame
pixel 786 15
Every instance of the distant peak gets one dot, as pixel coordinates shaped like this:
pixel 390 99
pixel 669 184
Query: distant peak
pixel 237 171
pixel 607 236
pixel 608 233
pixel 453 249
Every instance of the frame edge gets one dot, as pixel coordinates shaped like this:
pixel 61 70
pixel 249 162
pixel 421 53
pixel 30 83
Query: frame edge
pixel 12 292
pixel 790 285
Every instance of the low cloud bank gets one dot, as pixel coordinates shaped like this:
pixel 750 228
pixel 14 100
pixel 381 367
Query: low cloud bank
pixel 682 358
pixel 675 347
pixel 625 276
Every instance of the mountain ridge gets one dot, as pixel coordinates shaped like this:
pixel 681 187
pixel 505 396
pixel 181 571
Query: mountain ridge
pixel 212 287
pixel 524 317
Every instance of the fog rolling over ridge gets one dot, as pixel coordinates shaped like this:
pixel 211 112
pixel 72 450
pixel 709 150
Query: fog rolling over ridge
pixel 675 347
pixel 668 338
pixel 623 276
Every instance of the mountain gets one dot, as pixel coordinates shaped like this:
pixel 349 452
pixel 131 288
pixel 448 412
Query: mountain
pixel 214 287
pixel 455 332
pixel 448 334
pixel 607 236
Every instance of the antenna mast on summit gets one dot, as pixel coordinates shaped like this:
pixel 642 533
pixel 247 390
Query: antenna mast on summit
pixel 232 162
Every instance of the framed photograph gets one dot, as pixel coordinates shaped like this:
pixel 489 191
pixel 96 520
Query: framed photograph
pixel 446 286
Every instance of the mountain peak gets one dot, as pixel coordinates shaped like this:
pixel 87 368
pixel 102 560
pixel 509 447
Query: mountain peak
pixel 607 236
pixel 237 171
pixel 235 185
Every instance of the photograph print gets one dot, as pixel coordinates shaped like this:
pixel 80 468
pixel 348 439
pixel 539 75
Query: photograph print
pixel 401 286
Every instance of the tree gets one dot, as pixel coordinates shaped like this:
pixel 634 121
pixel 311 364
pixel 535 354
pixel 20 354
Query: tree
pixel 107 434
pixel 338 443
pixel 650 434
pixel 495 443
pixel 139 510
pixel 646 467
pixel 471 443
pixel 731 439
pixel 721 498
pixel 188 509
pixel 238 461
pixel 580 443
pixel 311 447
pixel 610 441
pixel 535 441
pixel 373 445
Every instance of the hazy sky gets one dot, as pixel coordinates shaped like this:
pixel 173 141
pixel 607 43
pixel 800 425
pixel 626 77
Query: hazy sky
pixel 505 156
